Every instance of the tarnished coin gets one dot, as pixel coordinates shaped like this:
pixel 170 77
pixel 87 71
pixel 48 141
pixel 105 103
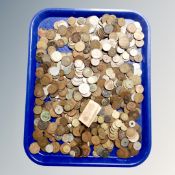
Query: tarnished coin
pixel 87 72
pixel 34 148
pixel 109 85
pixel 66 61
pixel 45 116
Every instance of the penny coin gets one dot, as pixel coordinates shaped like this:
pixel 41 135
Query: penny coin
pixel 138 97
pixel 86 136
pixel 34 148
pixel 42 125
pixel 56 147
pixel 123 153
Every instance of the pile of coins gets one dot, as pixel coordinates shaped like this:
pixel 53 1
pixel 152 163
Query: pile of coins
pixel 88 99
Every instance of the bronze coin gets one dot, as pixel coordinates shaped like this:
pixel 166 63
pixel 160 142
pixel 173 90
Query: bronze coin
pixel 60 130
pixel 38 91
pixel 76 37
pixel 76 131
pixel 56 147
pixel 37 134
pixel 85 150
pixel 42 141
pixel 52 88
pixel 63 121
pixel 86 136
pixel 95 140
pixel 131 106
pixel 123 153
pixel 42 125
pixel 50 34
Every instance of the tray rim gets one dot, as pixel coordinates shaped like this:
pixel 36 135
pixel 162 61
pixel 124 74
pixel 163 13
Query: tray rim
pixel 148 150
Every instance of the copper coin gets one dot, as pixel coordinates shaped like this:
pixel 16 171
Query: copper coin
pixel 86 136
pixel 34 148
pixel 123 153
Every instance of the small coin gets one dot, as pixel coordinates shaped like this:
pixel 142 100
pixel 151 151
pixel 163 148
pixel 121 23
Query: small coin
pixel 131 28
pixel 58 109
pixel 34 148
pixel 56 56
pixel 79 46
pixel 84 88
pixel 108 28
pixel 95 62
pixel 124 42
pixel 96 53
pixel 138 35
pixel 109 85
pixel 93 87
pixel 66 61
pixel 137 146
pixel 45 116
pixel 49 148
pixel 92 79
pixel 87 72
pixel 124 142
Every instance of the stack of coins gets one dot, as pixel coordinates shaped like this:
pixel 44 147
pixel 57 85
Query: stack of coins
pixel 88 98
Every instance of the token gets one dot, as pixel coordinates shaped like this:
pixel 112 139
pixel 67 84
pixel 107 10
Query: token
pixel 56 56
pixel 34 148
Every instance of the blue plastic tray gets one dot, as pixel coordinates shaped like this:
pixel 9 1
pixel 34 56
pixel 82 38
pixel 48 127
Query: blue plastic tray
pixel 46 18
